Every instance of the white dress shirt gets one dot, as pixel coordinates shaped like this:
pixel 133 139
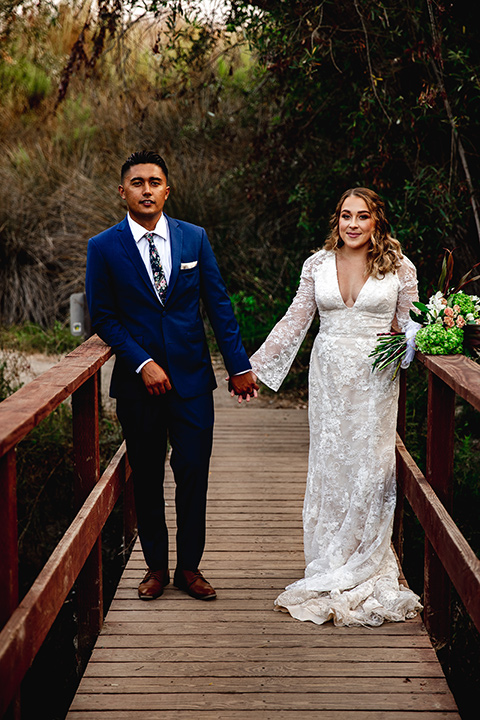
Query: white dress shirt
pixel 162 243
pixel 164 249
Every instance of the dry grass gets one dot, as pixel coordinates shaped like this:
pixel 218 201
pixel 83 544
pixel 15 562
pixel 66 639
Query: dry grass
pixel 60 171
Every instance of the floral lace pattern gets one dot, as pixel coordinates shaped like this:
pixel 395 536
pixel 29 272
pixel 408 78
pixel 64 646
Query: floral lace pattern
pixel 351 573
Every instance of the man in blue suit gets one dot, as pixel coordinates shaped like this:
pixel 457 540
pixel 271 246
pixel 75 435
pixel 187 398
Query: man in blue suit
pixel 145 279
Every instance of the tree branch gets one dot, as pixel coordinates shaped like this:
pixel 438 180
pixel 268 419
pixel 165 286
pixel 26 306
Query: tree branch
pixel 367 48
pixel 438 70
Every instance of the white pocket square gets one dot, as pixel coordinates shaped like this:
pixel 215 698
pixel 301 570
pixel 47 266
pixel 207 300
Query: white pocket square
pixel 189 265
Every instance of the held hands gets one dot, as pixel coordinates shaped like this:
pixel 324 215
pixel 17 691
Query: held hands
pixel 245 386
pixel 155 378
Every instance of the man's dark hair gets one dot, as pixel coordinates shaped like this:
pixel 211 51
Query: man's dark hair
pixel 144 157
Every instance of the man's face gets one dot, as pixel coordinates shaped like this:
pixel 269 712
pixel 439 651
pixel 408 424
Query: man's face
pixel 145 191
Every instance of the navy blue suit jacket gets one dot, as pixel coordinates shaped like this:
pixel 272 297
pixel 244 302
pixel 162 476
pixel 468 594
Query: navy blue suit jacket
pixel 127 314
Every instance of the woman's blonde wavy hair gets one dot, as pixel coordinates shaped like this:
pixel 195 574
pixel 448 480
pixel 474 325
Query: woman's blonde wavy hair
pixel 384 252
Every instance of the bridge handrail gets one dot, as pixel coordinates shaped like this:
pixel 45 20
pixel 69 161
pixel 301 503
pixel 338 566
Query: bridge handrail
pixel 31 404
pixel 449 559
pixel 77 557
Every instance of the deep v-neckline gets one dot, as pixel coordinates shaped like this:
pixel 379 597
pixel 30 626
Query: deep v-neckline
pixel 348 307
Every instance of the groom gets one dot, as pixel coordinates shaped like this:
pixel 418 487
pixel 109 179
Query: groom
pixel 145 279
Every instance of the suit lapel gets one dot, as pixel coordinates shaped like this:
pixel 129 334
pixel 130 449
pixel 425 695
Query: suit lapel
pixel 176 244
pixel 131 248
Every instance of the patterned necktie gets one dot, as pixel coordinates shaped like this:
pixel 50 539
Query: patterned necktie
pixel 159 278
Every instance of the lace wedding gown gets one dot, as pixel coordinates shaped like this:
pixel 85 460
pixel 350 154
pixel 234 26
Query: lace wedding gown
pixel 351 573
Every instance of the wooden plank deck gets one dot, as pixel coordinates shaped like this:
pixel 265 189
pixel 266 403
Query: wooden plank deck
pixel 235 657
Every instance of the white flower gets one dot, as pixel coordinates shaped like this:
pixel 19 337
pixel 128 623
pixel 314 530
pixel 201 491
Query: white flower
pixel 470 317
pixel 435 305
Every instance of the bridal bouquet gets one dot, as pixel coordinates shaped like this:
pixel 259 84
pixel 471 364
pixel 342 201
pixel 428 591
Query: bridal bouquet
pixel 448 324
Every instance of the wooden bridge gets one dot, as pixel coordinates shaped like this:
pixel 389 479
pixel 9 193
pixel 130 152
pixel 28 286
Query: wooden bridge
pixel 235 657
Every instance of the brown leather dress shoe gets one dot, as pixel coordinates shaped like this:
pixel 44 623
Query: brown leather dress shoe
pixel 152 584
pixel 193 583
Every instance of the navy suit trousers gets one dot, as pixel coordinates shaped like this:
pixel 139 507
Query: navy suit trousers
pixel 187 423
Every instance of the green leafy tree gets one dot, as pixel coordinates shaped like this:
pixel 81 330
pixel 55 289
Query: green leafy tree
pixel 377 93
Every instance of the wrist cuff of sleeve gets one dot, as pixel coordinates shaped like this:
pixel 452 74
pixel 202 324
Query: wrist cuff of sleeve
pixel 139 368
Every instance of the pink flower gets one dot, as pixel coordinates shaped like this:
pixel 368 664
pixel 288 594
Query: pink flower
pixel 457 308
pixel 460 321
pixel 477 321
pixel 449 322
pixel 448 312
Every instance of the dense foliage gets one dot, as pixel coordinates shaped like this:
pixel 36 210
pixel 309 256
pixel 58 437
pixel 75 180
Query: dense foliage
pixel 264 117
pixel 383 94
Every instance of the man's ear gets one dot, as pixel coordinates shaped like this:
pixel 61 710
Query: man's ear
pixel 121 191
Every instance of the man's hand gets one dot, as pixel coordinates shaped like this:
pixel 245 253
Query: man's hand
pixel 155 378
pixel 245 386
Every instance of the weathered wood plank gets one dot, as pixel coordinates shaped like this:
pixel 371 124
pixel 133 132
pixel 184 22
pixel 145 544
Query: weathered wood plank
pixel 458 558
pixel 236 658
pixel 282 576
pixel 8 537
pixel 261 669
pixel 86 444
pixel 266 628
pixel 259 714
pixel 268 701
pixel 36 613
pixel 171 602
pixel 26 408
pixel 255 558
pixel 265 684
pixel 458 372
pixel 152 656
pixel 196 639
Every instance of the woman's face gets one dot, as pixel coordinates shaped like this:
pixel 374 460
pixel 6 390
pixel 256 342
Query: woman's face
pixel 356 223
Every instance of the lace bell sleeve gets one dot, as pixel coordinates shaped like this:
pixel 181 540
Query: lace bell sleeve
pixel 408 293
pixel 273 359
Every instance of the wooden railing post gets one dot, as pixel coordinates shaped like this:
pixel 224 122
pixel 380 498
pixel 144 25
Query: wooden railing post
pixel 8 537
pixel 129 514
pixel 397 536
pixel 402 405
pixel 439 473
pixel 9 552
pixel 87 473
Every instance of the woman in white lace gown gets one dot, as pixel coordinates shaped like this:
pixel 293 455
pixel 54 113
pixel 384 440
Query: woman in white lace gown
pixel 361 285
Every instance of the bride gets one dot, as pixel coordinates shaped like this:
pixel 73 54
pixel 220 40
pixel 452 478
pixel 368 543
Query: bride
pixel 361 285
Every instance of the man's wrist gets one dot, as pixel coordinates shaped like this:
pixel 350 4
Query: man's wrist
pixel 140 367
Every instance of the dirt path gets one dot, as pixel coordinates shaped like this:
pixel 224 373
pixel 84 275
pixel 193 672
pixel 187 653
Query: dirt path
pixel 30 366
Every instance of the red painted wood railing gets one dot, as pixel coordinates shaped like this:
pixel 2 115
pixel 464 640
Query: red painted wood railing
pixel 77 558
pixel 449 559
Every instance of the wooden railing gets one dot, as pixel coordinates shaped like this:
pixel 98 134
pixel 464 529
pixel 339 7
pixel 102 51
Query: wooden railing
pixel 449 559
pixel 77 558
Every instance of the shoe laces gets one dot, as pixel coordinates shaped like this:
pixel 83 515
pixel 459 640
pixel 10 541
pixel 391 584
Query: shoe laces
pixel 155 575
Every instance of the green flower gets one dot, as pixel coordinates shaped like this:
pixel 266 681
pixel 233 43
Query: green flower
pixel 464 302
pixel 438 340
